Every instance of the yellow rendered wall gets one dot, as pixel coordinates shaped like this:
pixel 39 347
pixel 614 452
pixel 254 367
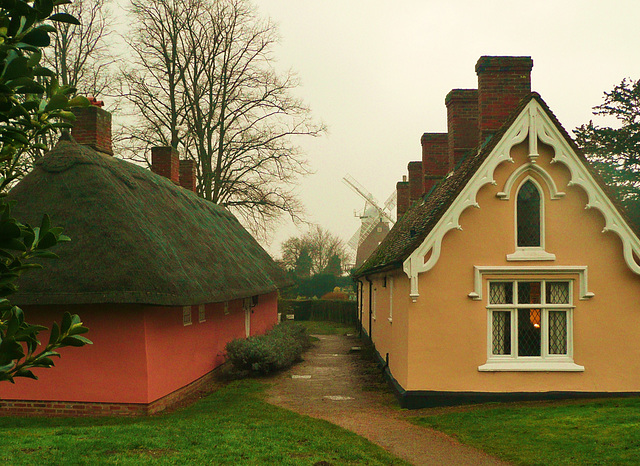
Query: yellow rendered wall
pixel 447 331
pixel 389 336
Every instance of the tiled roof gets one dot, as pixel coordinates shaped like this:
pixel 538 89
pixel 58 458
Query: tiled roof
pixel 416 224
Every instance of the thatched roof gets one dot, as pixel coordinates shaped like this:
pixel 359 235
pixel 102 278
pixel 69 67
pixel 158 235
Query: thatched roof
pixel 136 237
pixel 415 225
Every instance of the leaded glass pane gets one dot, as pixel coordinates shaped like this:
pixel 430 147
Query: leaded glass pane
pixel 557 292
pixel 557 332
pixel 528 292
pixel 529 332
pixel 501 332
pixel 501 293
pixel 528 217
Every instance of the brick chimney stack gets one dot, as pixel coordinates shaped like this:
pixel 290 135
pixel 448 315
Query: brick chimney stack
pixel 502 82
pixel 462 123
pixel 188 175
pixel 93 128
pixel 402 202
pixel 165 162
pixel 435 159
pixel 415 181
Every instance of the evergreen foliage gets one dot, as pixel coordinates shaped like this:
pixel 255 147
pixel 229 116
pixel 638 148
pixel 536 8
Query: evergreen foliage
pixel 615 151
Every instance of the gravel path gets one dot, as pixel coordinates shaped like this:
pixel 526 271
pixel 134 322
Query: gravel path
pixel 328 385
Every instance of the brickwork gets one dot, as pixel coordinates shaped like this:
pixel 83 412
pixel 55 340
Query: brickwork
pixel 502 82
pixel 415 181
pixel 165 162
pixel 72 408
pixel 93 128
pixel 462 123
pixel 188 175
pixel 402 202
pixel 435 159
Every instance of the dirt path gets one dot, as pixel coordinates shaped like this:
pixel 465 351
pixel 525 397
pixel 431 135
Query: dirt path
pixel 328 385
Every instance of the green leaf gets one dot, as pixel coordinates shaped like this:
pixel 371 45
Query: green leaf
pixel 79 101
pixel 42 71
pixel 57 102
pixel 55 334
pixel 37 37
pixel 76 341
pixel 66 323
pixel 47 241
pixel 35 58
pixel 25 373
pixel 65 18
pixel 16 68
pixel 45 224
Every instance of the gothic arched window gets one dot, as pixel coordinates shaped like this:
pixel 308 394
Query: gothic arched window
pixel 528 215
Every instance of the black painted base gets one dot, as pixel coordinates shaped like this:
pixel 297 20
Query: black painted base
pixel 416 399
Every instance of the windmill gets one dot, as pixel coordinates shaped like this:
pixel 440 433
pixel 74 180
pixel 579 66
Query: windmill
pixel 376 221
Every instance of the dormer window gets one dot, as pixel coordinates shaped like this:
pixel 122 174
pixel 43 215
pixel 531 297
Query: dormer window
pixel 529 224
pixel 528 215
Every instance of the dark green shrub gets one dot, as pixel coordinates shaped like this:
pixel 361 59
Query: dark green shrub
pixel 276 350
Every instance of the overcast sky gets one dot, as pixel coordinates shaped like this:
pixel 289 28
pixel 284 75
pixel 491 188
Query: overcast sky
pixel 377 72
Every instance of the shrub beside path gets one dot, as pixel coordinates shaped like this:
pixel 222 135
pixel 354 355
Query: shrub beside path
pixel 336 385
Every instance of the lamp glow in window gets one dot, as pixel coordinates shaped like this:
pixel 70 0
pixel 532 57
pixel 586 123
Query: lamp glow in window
pixel 529 320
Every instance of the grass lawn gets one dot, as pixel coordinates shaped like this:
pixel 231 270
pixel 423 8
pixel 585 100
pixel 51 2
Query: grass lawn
pixel 326 328
pixel 230 426
pixel 587 432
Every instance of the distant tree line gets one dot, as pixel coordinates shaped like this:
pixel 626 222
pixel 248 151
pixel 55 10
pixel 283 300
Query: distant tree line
pixel 316 262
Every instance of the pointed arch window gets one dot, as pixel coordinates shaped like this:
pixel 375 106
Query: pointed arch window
pixel 529 223
pixel 528 215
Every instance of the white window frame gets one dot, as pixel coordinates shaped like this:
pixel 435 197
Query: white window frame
pixel 390 284
pixel 544 362
pixel 202 314
pixel 186 315
pixel 373 300
pixel 530 253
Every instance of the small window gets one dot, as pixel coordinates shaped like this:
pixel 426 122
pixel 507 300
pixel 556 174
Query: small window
pixel 373 303
pixel 226 308
pixel 528 215
pixel 390 299
pixel 201 313
pixel 186 315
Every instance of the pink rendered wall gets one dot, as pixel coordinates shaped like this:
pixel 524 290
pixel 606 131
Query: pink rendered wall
pixel 139 353
pixel 113 369
pixel 265 314
pixel 178 354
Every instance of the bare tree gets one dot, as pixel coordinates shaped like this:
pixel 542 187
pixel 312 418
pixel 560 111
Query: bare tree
pixel 322 246
pixel 80 54
pixel 204 83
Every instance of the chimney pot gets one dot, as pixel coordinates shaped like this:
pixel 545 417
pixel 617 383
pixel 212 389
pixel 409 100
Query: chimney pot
pixel 502 83
pixel 402 203
pixel 165 162
pixel 462 123
pixel 435 159
pixel 188 175
pixel 415 181
pixel 93 128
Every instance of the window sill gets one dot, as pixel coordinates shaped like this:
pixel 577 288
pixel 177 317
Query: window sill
pixel 531 254
pixel 526 366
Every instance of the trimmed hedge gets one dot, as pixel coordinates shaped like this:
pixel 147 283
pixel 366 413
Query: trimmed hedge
pixel 345 312
pixel 276 350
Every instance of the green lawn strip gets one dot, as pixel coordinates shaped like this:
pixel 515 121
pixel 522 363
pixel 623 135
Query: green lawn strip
pixel 231 426
pixel 326 328
pixel 590 432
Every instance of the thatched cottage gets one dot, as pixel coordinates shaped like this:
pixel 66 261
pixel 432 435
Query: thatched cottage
pixel 515 272
pixel 162 278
